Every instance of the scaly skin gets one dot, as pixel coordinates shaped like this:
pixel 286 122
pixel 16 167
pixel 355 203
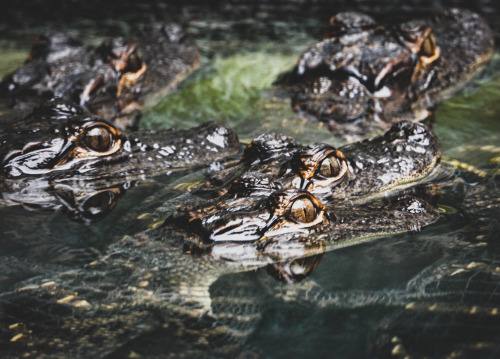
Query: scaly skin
pixel 62 157
pixel 406 154
pixel 159 283
pixel 59 140
pixel 114 80
pixel 362 77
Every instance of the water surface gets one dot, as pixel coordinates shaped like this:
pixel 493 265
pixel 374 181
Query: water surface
pixel 245 47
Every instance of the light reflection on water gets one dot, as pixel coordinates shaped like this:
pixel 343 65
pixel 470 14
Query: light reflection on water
pixel 233 87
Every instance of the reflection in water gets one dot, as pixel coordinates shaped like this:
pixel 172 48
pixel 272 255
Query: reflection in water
pixel 430 293
pixel 147 284
pixel 295 271
pixel 95 207
pixel 79 200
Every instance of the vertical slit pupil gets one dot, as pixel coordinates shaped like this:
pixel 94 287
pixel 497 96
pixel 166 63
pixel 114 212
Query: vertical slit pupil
pixel 303 210
pixel 98 139
pixel 330 167
pixel 429 46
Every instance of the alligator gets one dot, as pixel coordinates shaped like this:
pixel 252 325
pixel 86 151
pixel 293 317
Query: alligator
pixel 61 140
pixel 61 156
pixel 114 80
pixel 407 153
pixel 143 287
pixel 362 77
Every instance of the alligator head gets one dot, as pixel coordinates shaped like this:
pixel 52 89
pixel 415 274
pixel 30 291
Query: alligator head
pixel 61 157
pixel 289 191
pixel 406 154
pixel 361 77
pixel 61 140
pixel 114 80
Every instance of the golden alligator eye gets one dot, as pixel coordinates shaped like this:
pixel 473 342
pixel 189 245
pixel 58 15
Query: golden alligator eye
pixel 429 51
pixel 134 62
pixel 98 139
pixel 303 210
pixel 428 47
pixel 329 167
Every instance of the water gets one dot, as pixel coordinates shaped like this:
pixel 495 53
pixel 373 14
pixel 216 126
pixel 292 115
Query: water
pixel 245 47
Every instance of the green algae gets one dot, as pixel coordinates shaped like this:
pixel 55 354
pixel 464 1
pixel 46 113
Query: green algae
pixel 227 90
pixel 11 59
pixel 467 124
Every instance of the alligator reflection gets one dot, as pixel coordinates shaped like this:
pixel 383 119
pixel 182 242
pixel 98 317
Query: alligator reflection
pixel 294 271
pixel 81 201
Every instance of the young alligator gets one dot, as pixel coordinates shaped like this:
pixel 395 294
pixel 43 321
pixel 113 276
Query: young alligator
pixel 156 285
pixel 114 80
pixel 407 153
pixel 60 152
pixel 362 77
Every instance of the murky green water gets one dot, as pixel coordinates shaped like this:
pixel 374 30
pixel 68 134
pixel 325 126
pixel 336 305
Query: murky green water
pixel 244 51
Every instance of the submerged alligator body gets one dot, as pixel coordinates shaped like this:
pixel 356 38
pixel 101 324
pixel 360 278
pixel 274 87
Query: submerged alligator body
pixel 153 292
pixel 160 283
pixel 153 283
pixel 113 80
pixel 362 77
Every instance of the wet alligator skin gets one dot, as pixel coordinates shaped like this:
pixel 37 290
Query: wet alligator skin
pixel 62 158
pixel 144 285
pixel 113 80
pixel 362 77
pixel 62 141
pixel 179 328
pixel 276 172
pixel 407 153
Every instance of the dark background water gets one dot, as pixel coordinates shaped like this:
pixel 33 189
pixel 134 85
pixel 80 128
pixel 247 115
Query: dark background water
pixel 255 35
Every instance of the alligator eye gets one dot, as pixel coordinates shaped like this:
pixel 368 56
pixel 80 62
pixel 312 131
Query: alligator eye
pixel 429 51
pixel 303 210
pixel 321 167
pixel 329 167
pixel 98 139
pixel 134 62
pixel 428 47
